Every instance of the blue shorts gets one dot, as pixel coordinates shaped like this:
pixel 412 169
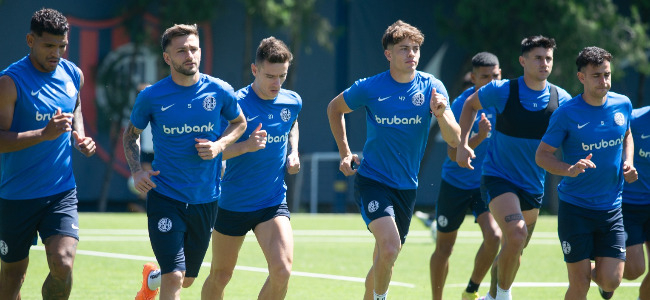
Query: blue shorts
pixel 492 187
pixel 236 223
pixel 452 204
pixel 636 219
pixel 179 232
pixel 377 200
pixel 20 220
pixel 586 233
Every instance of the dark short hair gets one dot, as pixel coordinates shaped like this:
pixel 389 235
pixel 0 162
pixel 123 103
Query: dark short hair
pixel 484 59
pixel 176 31
pixel 537 41
pixel 399 31
pixel 273 51
pixel 50 21
pixel 592 56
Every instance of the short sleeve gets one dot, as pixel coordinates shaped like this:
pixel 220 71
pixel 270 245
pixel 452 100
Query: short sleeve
pixel 356 96
pixel 557 130
pixel 141 113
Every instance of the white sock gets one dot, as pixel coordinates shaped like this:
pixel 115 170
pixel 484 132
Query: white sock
pixel 503 294
pixel 153 280
pixel 488 296
pixel 381 297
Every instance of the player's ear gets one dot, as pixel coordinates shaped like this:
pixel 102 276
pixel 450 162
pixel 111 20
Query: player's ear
pixel 167 58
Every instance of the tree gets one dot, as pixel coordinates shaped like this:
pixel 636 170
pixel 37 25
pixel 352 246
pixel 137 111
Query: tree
pixel 480 26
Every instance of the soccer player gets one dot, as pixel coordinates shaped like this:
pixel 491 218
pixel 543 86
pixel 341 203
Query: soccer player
pixel 636 203
pixel 460 190
pixel 593 130
pixel 184 111
pixel 40 111
pixel 253 189
pixel 398 117
pixel 512 183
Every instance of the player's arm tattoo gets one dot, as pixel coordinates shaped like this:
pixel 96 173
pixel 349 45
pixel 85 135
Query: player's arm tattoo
pixel 131 139
pixel 514 217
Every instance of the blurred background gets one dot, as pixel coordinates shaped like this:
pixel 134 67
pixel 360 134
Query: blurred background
pixel 335 42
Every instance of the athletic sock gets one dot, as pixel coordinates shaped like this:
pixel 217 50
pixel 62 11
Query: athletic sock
pixel 503 294
pixel 381 297
pixel 153 280
pixel 472 287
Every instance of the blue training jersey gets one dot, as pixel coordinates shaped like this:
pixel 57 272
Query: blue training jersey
pixel 581 128
pixel 397 117
pixel 464 178
pixel 177 115
pixel 43 169
pixel 638 192
pixel 255 180
pixel 513 158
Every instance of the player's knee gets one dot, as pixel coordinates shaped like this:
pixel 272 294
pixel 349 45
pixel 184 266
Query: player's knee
pixel 172 279
pixel 610 283
pixel 61 265
pixel 220 276
pixel 517 237
pixel 492 240
pixel 280 273
pixel 443 250
pixel 389 252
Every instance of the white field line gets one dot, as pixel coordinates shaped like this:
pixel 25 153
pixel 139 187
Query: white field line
pixel 314 236
pixel 242 268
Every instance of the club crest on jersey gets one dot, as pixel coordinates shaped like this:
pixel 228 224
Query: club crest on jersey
pixel 619 119
pixel 164 225
pixel 418 99
pixel 373 206
pixel 3 248
pixel 285 114
pixel 209 103
pixel 70 89
pixel 566 247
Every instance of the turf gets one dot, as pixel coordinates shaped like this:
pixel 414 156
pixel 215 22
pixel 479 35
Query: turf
pixel 332 256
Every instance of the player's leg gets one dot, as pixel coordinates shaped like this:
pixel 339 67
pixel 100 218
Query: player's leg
pixel 60 251
pixel 388 246
pixel 452 204
pixel 634 262
pixel 507 213
pixel 579 279
pixel 12 276
pixel 644 289
pixel 59 230
pixel 276 240
pixel 488 250
pixel 439 262
pixel 609 250
pixel 225 251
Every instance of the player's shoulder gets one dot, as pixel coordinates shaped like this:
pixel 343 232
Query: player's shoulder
pixel 216 82
pixel 460 100
pixel 562 94
pixel 290 97
pixel 640 112
pixel 374 80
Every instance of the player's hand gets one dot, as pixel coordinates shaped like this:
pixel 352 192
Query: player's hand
pixel 85 145
pixel 581 165
pixel 629 172
pixel 293 163
pixel 142 180
pixel 438 103
pixel 58 124
pixel 346 164
pixel 208 150
pixel 464 156
pixel 257 139
pixel 484 126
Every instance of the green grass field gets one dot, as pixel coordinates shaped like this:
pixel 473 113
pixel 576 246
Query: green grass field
pixel 332 256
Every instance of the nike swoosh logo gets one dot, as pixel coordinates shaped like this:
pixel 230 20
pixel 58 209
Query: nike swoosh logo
pixel 623 250
pixel 36 93
pixel 382 99
pixel 251 119
pixel 164 108
pixel 583 125
pixel 75 227
pixel 644 136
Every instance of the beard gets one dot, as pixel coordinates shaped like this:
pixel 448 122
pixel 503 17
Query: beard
pixel 184 70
